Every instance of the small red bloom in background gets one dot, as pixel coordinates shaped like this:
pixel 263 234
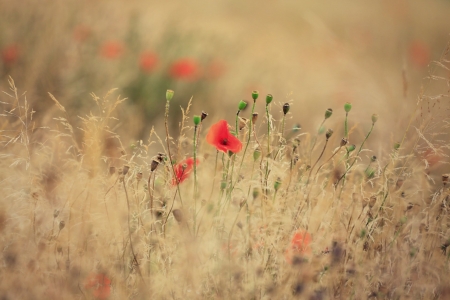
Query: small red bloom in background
pixel 99 284
pixel 220 137
pixel 183 169
pixel 10 54
pixel 81 33
pixel 419 54
pixel 148 61
pixel 111 49
pixel 299 245
pixel 185 68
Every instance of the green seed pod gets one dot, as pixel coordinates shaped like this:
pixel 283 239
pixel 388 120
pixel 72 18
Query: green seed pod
pixel 286 108
pixel 370 172
pixel 329 133
pixel 374 118
pixel 347 106
pixel 242 105
pixel 328 113
pixel 256 154
pixel 169 95
pixel 321 130
pixel 277 184
pixel 255 95
pixel 223 185
pixel 351 148
pixel 269 99
pixel 197 120
pixel 396 145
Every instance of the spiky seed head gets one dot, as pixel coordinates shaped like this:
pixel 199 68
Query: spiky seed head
pixel 328 113
pixel 286 108
pixel 197 120
pixel 347 107
pixel 204 115
pixel 344 142
pixel 255 95
pixel 169 95
pixel 242 105
pixel 269 99
pixel 374 118
pixel 329 133
pixel 254 117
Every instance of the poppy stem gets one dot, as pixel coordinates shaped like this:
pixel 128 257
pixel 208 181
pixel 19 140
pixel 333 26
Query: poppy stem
pixel 214 178
pixel 315 140
pixel 195 178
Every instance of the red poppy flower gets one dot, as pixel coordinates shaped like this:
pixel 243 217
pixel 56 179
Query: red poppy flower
pixel 148 61
pixel 183 169
pixel 299 245
pixel 99 284
pixel 419 54
pixel 111 49
pixel 220 137
pixel 185 68
pixel 10 54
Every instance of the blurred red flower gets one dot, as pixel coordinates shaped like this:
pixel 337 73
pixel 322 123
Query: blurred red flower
pixel 99 284
pixel 148 61
pixel 419 54
pixel 220 137
pixel 185 68
pixel 10 54
pixel 111 49
pixel 299 245
pixel 81 33
pixel 183 169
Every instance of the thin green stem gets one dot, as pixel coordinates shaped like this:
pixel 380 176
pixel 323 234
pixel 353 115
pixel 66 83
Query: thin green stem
pixel 195 178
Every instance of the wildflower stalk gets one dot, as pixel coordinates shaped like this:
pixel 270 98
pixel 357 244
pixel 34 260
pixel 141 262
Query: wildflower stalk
pixel 215 172
pixel 328 114
pixel 266 173
pixel 327 136
pixel 196 123
pixel 343 143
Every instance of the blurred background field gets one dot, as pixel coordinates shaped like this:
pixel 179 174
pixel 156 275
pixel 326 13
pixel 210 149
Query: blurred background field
pixel 315 54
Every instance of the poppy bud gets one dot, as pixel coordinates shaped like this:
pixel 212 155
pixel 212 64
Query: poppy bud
pixel 344 142
pixel 347 106
pixel 396 145
pixel 169 95
pixel 329 133
pixel 204 115
pixel 351 148
pixel 125 169
pixel 370 172
pixel 286 108
pixel 256 154
pixel 254 117
pixel 328 113
pixel 374 118
pixel 373 158
pixel 197 120
pixel 269 99
pixel 178 215
pixel 255 95
pixel 242 105
pixel 277 184
pixel 154 165
pixel 445 178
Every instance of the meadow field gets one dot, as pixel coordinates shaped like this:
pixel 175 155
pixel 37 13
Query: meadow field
pixel 224 150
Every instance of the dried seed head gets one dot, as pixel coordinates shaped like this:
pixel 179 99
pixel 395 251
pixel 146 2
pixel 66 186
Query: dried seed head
pixel 328 134
pixel 203 116
pixel 154 165
pixel 373 158
pixel 344 142
pixel 160 157
pixel 269 99
pixel 445 178
pixel 112 170
pixel 328 113
pixel 255 95
pixel 184 166
pixel 55 213
pixel 254 117
pixel 286 108
pixel 178 215
pixel 372 201
pixel 125 169
pixel 295 160
pixel 242 123
pixel 62 224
